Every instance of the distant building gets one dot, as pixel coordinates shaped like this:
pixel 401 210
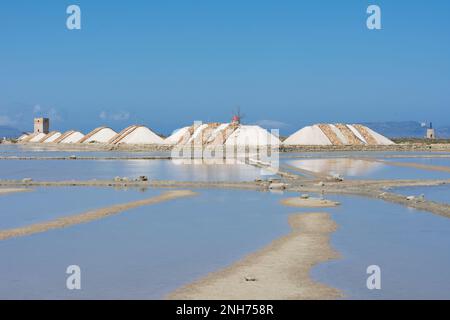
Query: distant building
pixel 41 125
pixel 430 132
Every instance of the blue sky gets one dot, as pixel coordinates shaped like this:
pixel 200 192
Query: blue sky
pixel 167 63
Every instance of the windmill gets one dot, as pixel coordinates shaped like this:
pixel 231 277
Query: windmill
pixel 237 116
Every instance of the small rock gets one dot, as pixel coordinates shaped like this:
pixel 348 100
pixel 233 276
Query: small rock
pixel 250 278
pixel 117 179
pixel 337 177
pixel 143 178
pixel 278 186
pixel 27 180
pixel 410 198
pixel 72 157
pixel 304 196
pixel 321 184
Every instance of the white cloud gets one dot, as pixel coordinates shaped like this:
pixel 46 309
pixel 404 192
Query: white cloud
pixel 117 116
pixel 51 113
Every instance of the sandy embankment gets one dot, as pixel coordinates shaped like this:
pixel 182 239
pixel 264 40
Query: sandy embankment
pixel 279 271
pixel 12 190
pixel 308 202
pixel 415 165
pixel 91 215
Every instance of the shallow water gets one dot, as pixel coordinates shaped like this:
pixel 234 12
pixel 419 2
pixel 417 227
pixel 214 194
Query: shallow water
pixel 428 161
pixel 145 252
pixel 357 154
pixel 39 151
pixel 411 248
pixel 25 208
pixel 60 170
pixel 149 251
pixel 363 169
pixel 433 193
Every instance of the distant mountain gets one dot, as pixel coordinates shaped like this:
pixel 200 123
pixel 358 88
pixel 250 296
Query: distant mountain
pixel 9 132
pixel 406 129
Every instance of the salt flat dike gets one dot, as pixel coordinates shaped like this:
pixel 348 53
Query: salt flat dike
pixel 407 146
pixel 91 215
pixel 278 271
pixel 12 190
pixel 216 134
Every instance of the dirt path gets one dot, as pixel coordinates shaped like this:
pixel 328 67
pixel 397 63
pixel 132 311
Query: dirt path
pixel 279 271
pixel 91 215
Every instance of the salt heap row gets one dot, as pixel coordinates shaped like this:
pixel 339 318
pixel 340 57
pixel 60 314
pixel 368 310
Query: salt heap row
pixel 217 134
pixel 336 135
pixel 227 134
pixel 103 135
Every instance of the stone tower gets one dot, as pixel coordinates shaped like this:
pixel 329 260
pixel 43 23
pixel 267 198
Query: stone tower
pixel 41 125
pixel 430 132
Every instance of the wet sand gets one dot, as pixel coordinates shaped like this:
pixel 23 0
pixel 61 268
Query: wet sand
pixel 415 165
pixel 13 190
pixel 308 203
pixel 91 215
pixel 278 271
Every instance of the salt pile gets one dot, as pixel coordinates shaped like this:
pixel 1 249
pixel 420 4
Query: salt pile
pixel 99 135
pixel 217 134
pixel 252 136
pixel 51 137
pixel 176 136
pixel 70 136
pixel 23 137
pixel 136 135
pixel 336 134
pixel 37 137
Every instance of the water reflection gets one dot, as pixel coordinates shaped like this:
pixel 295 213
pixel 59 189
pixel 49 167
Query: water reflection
pixel 344 166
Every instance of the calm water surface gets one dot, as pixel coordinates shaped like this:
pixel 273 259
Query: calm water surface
pixel 147 252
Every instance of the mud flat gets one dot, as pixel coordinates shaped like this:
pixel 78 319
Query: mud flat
pixel 12 190
pixel 279 271
pixel 91 215
pixel 308 202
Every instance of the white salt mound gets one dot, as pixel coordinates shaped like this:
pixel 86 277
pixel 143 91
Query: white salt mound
pixel 308 136
pixel 22 137
pixel 314 136
pixel 357 133
pixel 100 135
pixel 51 137
pixel 252 136
pixel 138 135
pixel 382 140
pixel 38 137
pixel 72 137
pixel 176 136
